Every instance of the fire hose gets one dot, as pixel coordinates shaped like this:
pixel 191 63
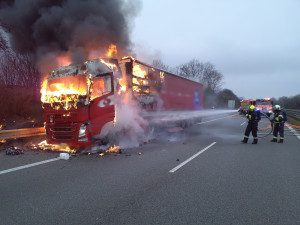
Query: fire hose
pixel 271 127
pixel 263 135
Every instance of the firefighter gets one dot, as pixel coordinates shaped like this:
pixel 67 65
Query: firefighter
pixel 278 123
pixel 253 119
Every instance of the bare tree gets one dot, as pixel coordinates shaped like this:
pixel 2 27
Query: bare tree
pixel 193 70
pixel 212 78
pixel 17 69
pixel 3 42
pixel 157 63
pixel 205 73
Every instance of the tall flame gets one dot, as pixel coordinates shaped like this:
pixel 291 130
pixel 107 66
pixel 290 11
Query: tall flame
pixel 61 96
pixel 110 65
pixel 123 87
pixel 112 51
pixel 63 60
pixel 137 71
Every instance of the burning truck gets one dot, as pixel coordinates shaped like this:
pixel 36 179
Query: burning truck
pixel 83 102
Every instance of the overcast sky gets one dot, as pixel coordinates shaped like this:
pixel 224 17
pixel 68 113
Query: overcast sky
pixel 255 44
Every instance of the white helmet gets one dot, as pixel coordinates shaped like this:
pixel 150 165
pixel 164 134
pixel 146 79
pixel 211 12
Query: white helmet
pixel 276 107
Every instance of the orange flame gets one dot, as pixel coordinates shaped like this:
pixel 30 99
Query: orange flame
pixel 61 96
pixel 112 51
pixel 162 76
pixel 123 87
pixel 113 149
pixel 63 60
pixel 45 146
pixel 137 71
pixel 110 65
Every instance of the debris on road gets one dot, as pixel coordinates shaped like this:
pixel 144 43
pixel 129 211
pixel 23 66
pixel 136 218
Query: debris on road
pixel 13 151
pixel 64 156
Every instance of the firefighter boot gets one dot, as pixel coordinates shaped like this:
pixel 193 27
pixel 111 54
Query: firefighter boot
pixel 274 139
pixel 280 141
pixel 254 141
pixel 245 140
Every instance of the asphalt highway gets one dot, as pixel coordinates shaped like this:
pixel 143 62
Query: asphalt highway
pixel 201 175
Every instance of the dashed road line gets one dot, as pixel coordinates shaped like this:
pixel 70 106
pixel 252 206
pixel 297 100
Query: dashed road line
pixel 28 165
pixel 191 158
pixel 243 123
pixel 213 120
pixel 294 132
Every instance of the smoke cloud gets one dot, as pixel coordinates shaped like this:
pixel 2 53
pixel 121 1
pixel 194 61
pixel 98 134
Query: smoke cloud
pixel 46 29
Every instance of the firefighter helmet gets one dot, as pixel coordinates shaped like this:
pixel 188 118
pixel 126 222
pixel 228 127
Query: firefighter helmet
pixel 276 107
pixel 252 107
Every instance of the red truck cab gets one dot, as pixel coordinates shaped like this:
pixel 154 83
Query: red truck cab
pixel 74 97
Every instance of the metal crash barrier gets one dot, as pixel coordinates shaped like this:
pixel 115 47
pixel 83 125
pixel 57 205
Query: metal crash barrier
pixel 20 133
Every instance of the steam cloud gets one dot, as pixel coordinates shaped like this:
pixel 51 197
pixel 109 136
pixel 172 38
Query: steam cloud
pixel 48 28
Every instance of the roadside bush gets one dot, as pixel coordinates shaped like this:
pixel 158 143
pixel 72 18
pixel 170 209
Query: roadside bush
pixel 20 104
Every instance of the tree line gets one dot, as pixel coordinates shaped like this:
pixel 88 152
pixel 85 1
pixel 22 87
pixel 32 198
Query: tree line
pixel 288 102
pixel 19 86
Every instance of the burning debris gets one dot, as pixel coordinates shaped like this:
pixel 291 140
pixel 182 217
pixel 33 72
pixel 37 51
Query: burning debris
pixel 44 146
pixel 13 151
pixel 104 150
pixel 112 150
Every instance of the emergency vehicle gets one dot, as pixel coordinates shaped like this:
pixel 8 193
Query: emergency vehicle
pixel 264 105
pixel 245 105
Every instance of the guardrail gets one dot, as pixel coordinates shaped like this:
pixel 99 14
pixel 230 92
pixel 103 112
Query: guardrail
pixel 19 133
pixel 295 113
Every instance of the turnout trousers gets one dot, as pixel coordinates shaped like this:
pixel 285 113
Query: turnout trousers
pixel 251 127
pixel 278 128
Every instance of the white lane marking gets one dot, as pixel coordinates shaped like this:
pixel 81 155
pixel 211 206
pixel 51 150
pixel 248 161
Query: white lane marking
pixel 191 158
pixel 294 132
pixel 213 120
pixel 28 165
pixel 243 123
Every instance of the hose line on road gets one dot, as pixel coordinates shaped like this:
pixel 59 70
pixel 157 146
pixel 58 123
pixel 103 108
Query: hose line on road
pixel 263 135
pixel 271 128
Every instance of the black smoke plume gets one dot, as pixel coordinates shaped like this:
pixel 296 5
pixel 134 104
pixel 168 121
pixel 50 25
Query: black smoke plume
pixel 48 28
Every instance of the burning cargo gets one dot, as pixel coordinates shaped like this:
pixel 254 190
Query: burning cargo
pixel 82 102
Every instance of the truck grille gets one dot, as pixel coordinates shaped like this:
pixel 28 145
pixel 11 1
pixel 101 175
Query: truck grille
pixel 62 137
pixel 63 133
pixel 63 129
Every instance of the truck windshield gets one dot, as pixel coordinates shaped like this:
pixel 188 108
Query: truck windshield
pixel 263 102
pixel 64 92
pixel 68 85
pixel 101 86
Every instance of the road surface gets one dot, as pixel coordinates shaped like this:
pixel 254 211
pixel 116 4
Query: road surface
pixel 202 175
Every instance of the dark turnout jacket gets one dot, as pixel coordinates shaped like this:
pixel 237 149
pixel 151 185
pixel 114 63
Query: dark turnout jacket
pixel 253 116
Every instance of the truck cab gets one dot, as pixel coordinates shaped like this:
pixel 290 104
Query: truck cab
pixel 77 101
